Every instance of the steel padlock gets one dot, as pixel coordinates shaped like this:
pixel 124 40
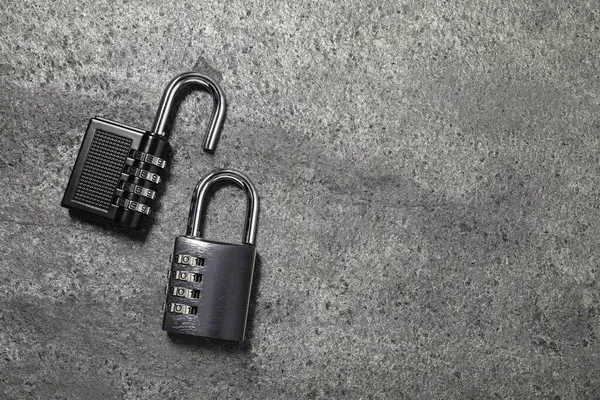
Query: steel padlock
pixel 119 167
pixel 208 293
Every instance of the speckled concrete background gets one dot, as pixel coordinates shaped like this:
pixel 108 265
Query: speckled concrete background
pixel 429 175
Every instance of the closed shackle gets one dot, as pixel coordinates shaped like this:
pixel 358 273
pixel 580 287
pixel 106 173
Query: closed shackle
pixel 199 202
pixel 218 112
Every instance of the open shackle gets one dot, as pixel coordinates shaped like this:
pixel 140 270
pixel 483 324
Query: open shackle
pixel 199 202
pixel 218 112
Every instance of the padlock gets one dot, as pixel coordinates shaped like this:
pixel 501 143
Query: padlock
pixel 119 167
pixel 209 287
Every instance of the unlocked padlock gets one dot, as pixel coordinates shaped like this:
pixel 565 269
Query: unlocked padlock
pixel 208 293
pixel 119 167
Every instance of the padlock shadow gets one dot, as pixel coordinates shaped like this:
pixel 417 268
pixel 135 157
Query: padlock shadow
pixel 109 226
pixel 193 342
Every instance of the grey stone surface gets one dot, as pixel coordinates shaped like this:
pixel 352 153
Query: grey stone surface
pixel 429 174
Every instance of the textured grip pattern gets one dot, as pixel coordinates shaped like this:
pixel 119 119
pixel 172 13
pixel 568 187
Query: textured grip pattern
pixel 102 169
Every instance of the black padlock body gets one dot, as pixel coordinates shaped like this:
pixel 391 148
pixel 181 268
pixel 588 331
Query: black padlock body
pixel 117 172
pixel 209 288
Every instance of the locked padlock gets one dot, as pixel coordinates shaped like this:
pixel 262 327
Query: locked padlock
pixel 119 167
pixel 208 293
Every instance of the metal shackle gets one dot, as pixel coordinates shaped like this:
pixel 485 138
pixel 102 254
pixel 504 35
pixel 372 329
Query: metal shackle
pixel 218 112
pixel 199 201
